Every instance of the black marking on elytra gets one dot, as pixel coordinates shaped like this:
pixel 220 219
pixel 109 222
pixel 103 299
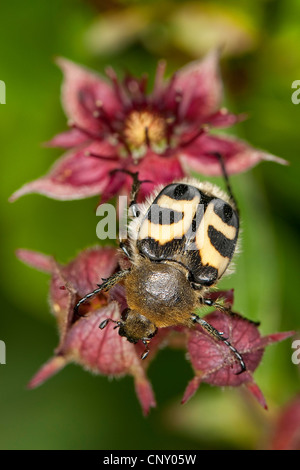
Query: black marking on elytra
pixel 179 192
pixel 204 275
pixel 205 199
pixel 226 213
pixel 222 244
pixel 175 250
pixel 153 250
pixel 163 215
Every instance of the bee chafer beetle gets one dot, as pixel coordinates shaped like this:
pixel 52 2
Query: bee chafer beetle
pixel 181 242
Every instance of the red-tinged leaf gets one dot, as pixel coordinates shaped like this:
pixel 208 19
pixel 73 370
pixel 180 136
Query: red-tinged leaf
pixel 238 155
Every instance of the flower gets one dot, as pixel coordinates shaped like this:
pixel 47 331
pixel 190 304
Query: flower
pixel 213 361
pixel 81 341
pixel 162 135
pixel 107 353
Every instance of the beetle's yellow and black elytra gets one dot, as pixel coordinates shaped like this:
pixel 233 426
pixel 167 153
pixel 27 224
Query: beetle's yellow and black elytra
pixel 181 242
pixel 188 222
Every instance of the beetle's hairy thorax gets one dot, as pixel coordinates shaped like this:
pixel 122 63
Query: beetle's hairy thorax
pixel 161 292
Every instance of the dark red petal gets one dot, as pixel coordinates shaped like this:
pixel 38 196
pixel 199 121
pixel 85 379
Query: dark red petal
pixel 62 301
pixel 237 154
pixel 74 176
pixel 106 352
pixel 257 393
pixel 213 360
pixel 81 90
pixel 191 388
pixel 226 295
pixel 223 118
pixel 200 86
pixel 216 364
pixel 68 139
pixel 36 260
pixel 144 391
pixel 274 338
pixel 54 365
pixel 115 184
pixel 158 170
pixel 89 267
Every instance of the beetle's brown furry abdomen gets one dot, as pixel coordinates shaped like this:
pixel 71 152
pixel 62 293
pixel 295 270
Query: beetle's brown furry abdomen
pixel 161 292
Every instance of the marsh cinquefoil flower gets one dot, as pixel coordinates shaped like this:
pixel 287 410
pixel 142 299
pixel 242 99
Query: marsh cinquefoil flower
pixel 106 352
pixel 162 135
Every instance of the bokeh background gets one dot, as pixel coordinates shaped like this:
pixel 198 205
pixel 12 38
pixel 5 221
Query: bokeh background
pixel 76 410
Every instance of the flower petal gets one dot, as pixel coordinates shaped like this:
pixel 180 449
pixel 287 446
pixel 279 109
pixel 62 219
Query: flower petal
pixel 237 154
pixel 89 267
pixel 223 118
pixel 215 362
pixel 74 176
pixel 81 90
pixel 200 86
pixel 191 388
pixel 257 393
pixel 36 260
pixel 54 365
pixel 158 170
pixel 144 391
pixel 68 139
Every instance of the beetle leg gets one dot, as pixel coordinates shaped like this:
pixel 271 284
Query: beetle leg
pixel 219 335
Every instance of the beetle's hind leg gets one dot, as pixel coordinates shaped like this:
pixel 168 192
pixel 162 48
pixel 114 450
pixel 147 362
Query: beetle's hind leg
pixel 219 335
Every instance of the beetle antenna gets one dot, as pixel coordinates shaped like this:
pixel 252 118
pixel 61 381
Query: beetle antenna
pixel 226 178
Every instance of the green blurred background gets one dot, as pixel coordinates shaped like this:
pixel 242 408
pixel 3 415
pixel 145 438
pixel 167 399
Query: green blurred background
pixel 75 410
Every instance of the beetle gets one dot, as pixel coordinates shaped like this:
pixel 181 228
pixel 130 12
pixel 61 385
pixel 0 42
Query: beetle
pixel 181 242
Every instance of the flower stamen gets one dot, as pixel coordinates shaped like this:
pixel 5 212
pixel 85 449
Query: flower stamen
pixel 144 127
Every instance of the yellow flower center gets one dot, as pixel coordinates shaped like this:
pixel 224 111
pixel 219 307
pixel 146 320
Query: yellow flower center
pixel 144 127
